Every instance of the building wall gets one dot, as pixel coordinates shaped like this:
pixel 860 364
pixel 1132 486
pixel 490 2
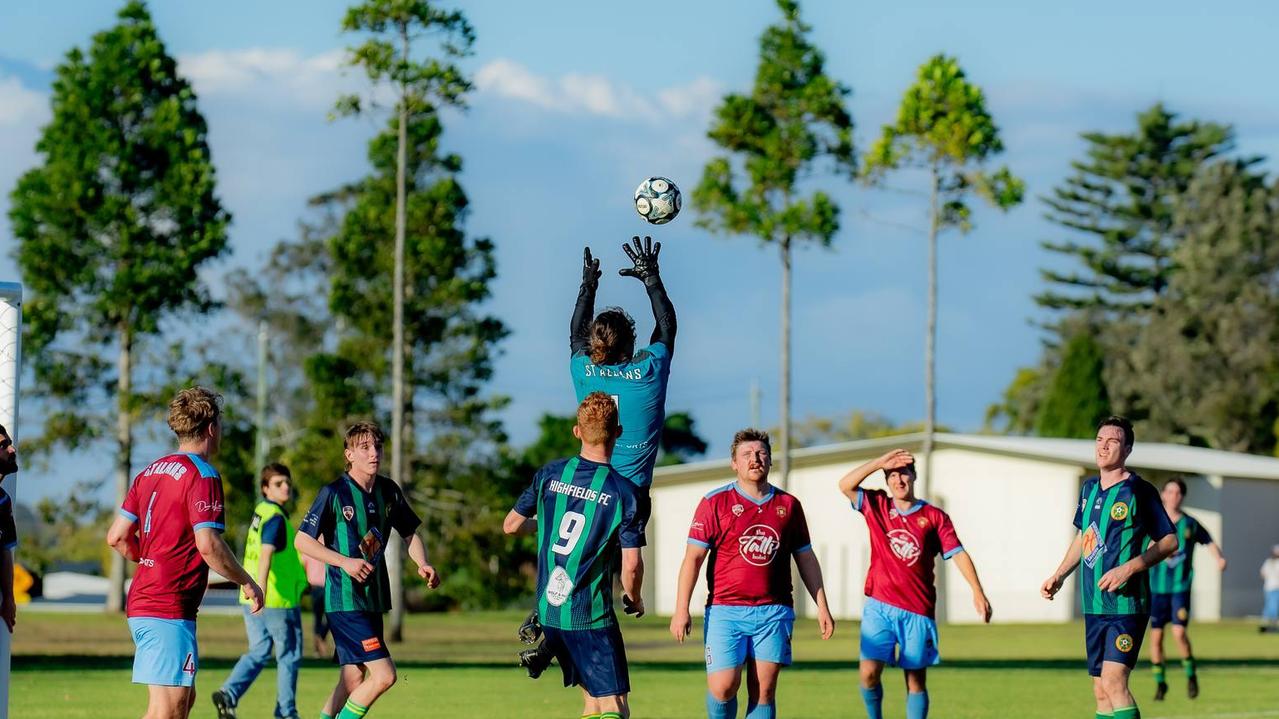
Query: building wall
pixel 1252 506
pixel 1013 516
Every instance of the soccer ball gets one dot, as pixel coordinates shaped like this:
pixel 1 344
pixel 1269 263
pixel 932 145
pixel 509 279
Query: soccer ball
pixel 657 200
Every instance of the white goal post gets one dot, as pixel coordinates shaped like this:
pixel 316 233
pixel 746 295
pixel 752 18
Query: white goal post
pixel 10 373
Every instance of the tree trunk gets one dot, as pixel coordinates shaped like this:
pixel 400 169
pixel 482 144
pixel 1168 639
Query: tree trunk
pixel 123 456
pixel 784 422
pixel 394 550
pixel 262 445
pixel 930 337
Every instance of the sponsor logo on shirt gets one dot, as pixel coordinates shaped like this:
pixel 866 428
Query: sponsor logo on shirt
pixel 1175 559
pixel 558 587
pixel 696 526
pixel 1123 643
pixel 1093 547
pixel 349 513
pixel 203 506
pixel 904 546
pixel 372 644
pixel 738 509
pixel 1119 511
pixel 759 544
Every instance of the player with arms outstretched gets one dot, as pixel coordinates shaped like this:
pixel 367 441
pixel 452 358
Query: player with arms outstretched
pixel 603 358
pixel 582 511
pixel 750 530
pixel 899 626
pixel 355 515
pixel 171 526
pixel 1170 589
pixel 1117 517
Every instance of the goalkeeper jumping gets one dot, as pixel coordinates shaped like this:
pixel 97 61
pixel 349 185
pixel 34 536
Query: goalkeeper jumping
pixel 603 358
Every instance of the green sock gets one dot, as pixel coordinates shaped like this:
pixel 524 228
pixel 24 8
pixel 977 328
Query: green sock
pixel 610 715
pixel 325 716
pixel 352 711
pixel 1105 715
pixel 1189 665
pixel 1158 669
pixel 1131 712
pixel 590 716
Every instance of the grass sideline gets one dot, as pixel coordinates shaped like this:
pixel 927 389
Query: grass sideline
pixel 453 665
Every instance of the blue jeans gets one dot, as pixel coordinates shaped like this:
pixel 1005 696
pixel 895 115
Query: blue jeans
pixel 1271 611
pixel 283 629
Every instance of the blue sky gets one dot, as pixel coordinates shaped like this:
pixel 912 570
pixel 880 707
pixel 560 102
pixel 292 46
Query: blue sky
pixel 578 101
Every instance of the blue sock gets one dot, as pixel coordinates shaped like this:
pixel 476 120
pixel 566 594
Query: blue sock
pixel 917 705
pixel 761 711
pixel 716 709
pixel 874 699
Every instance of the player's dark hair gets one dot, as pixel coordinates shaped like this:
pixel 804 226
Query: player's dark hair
pixel 192 411
pixel 5 432
pixel 1181 484
pixel 1115 420
pixel 359 431
pixel 272 470
pixel 597 418
pixel 902 470
pixel 612 337
pixel 750 434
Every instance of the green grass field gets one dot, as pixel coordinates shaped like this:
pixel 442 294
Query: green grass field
pixel 78 666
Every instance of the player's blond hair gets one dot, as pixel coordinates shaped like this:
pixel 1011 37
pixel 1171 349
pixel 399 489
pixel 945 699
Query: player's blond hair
pixel 597 418
pixel 359 431
pixel 750 434
pixel 192 411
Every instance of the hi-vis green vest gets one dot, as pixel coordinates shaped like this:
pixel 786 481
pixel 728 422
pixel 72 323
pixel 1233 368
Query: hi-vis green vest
pixel 287 579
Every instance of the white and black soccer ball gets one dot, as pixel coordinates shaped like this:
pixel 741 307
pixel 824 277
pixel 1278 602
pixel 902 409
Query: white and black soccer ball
pixel 657 200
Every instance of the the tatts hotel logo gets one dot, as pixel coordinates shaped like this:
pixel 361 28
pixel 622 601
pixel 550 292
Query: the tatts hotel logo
pixel 759 544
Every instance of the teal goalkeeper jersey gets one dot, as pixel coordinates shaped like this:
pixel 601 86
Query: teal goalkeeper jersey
pixel 1117 524
pixel 584 511
pixel 1175 574
pixel 639 389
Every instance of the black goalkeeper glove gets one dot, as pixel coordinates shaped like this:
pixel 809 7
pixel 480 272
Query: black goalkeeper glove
pixel 645 258
pixel 590 269
pixel 632 606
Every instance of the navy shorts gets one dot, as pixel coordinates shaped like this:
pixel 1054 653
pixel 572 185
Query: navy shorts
pixel 1113 638
pixel 1165 608
pixel 357 637
pixel 595 659
pixel 643 510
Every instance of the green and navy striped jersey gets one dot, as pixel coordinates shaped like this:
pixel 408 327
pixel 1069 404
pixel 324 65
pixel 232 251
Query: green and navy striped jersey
pixel 584 511
pixel 355 523
pixel 1174 574
pixel 1118 523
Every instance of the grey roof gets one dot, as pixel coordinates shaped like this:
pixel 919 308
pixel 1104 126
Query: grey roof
pixel 1146 455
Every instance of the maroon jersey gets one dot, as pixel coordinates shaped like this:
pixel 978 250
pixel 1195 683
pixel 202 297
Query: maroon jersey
pixel 751 542
pixel 902 548
pixel 169 500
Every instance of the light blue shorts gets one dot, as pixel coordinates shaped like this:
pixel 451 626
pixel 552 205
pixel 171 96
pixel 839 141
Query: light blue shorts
pixel 166 653
pixel 897 637
pixel 734 633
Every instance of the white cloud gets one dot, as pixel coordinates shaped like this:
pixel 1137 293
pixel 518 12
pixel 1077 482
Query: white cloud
pixel 275 75
pixel 585 94
pixel 19 105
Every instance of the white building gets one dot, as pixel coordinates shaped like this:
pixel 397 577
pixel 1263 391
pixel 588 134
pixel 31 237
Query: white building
pixel 1012 500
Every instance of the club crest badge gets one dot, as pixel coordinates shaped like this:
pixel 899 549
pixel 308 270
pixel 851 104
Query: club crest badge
pixel 348 513
pixel 922 522
pixel 738 509
pixel 781 511
pixel 1123 643
pixel 1119 511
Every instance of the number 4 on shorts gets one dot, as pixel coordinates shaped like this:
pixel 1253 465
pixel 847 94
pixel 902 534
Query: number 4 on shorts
pixel 189 665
